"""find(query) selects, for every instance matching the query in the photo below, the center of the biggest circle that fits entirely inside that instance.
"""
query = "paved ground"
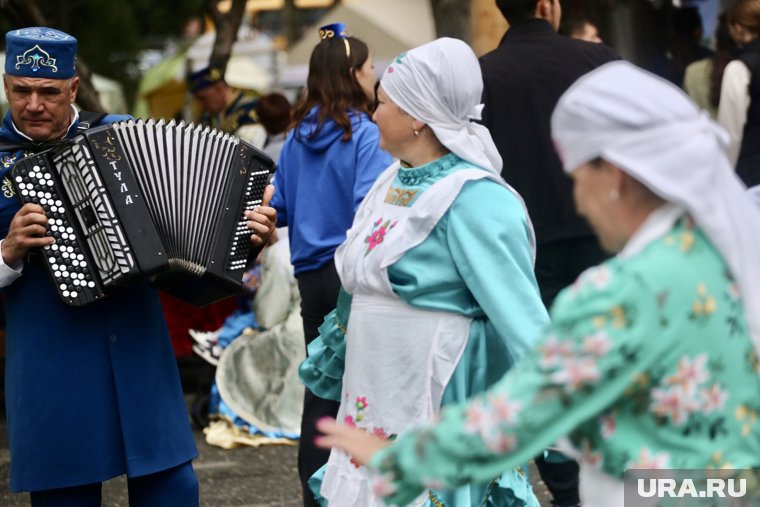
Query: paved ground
(245, 476)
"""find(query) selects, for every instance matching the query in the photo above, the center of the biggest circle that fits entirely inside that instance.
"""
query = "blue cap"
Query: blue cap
(204, 78)
(40, 52)
(333, 30)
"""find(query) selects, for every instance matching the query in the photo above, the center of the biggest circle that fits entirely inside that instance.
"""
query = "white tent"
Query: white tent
(388, 27)
(254, 63)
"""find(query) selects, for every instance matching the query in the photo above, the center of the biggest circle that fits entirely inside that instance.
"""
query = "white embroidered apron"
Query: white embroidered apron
(399, 358)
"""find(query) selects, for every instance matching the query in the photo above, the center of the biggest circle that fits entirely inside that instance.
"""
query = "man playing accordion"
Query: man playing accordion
(91, 392)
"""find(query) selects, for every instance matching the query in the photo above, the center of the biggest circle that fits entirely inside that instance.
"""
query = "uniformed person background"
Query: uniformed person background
(226, 108)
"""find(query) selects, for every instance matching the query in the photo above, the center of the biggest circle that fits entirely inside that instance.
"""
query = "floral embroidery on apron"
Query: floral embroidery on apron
(399, 358)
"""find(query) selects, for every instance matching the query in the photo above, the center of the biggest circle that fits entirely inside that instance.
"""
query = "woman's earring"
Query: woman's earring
(416, 133)
(614, 195)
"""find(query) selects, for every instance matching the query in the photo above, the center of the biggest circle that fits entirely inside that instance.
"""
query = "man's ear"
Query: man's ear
(74, 88)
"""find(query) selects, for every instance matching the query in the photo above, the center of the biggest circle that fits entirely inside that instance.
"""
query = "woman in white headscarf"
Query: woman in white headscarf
(651, 360)
(440, 296)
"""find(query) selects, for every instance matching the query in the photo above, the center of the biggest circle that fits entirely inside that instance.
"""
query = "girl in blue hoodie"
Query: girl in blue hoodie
(329, 161)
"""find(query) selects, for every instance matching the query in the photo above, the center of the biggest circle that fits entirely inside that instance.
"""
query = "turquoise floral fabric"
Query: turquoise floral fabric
(647, 364)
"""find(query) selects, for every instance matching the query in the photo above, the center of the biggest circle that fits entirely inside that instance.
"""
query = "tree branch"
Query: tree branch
(227, 26)
(452, 18)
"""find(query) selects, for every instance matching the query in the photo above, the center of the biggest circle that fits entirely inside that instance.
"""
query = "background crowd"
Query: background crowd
(517, 241)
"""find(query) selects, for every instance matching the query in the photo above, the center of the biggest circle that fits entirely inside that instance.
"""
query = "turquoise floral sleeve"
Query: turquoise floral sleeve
(602, 337)
(322, 370)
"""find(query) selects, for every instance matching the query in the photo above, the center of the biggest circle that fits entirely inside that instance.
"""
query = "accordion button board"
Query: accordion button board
(68, 264)
(146, 200)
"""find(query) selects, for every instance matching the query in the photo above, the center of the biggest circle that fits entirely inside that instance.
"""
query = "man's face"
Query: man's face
(212, 99)
(41, 108)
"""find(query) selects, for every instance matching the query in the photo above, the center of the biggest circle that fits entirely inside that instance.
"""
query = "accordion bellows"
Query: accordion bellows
(146, 199)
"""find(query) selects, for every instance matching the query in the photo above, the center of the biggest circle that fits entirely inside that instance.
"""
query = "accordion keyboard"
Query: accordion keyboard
(239, 249)
(67, 262)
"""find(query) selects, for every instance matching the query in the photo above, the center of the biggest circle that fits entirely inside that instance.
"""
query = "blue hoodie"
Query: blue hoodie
(320, 182)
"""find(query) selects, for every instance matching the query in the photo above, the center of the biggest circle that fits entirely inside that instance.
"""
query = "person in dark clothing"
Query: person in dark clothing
(524, 77)
(739, 108)
(523, 80)
(685, 43)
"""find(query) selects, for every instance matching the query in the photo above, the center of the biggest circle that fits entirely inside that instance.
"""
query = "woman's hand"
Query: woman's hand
(262, 220)
(361, 445)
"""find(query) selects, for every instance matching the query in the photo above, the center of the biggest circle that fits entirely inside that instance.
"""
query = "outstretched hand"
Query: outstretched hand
(361, 445)
(262, 220)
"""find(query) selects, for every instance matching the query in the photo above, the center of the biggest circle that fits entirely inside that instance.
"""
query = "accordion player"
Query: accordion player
(138, 200)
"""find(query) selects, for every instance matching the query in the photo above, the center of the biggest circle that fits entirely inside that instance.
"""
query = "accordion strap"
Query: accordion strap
(89, 118)
(86, 120)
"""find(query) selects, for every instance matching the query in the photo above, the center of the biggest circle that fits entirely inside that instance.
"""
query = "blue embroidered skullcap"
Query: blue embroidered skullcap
(40, 52)
(333, 30)
(204, 78)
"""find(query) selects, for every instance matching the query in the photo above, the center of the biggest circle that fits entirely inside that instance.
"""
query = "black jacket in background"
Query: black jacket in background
(523, 80)
(748, 164)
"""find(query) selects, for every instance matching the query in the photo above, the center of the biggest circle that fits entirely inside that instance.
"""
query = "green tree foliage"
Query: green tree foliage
(111, 33)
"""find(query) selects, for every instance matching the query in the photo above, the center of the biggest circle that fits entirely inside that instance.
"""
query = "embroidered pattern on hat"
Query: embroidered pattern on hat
(42, 34)
(35, 57)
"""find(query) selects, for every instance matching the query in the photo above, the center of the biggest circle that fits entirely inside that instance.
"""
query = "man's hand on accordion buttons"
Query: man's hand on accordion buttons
(262, 220)
(27, 230)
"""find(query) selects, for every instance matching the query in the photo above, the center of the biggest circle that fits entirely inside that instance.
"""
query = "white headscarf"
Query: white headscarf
(652, 130)
(440, 84)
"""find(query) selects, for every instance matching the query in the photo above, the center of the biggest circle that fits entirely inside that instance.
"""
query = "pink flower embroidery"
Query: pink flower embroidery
(608, 426)
(499, 443)
(349, 420)
(691, 373)
(600, 277)
(597, 344)
(648, 460)
(383, 486)
(380, 433)
(476, 417)
(504, 410)
(377, 236)
(553, 351)
(487, 421)
(714, 398)
(574, 373)
(675, 403)
(361, 402)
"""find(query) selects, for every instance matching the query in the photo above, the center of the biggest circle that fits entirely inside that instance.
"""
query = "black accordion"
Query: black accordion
(146, 199)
